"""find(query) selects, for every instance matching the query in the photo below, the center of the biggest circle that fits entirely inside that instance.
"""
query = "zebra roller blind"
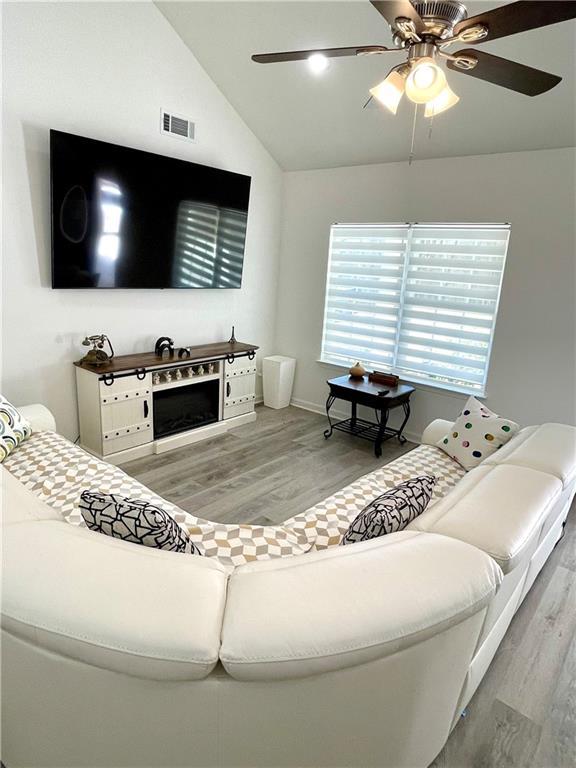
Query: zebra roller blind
(416, 299)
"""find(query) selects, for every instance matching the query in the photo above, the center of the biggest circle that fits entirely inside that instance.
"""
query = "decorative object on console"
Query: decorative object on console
(96, 355)
(476, 434)
(357, 371)
(232, 337)
(389, 379)
(14, 429)
(392, 511)
(164, 344)
(138, 522)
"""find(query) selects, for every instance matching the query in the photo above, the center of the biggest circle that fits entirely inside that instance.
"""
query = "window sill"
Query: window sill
(435, 389)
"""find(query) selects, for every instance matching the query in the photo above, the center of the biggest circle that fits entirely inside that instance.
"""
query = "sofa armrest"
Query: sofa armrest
(435, 431)
(40, 418)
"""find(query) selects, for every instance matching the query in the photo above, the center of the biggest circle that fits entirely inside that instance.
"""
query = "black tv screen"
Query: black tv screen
(124, 218)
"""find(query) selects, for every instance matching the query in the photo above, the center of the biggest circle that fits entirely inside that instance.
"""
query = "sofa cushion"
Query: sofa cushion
(392, 511)
(476, 434)
(135, 521)
(498, 509)
(14, 429)
(131, 609)
(548, 448)
(349, 605)
(19, 505)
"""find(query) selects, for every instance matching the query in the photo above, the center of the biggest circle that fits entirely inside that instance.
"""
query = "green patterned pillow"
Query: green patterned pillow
(476, 434)
(13, 428)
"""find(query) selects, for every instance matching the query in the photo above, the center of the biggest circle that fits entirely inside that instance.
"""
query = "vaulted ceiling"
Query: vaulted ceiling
(309, 121)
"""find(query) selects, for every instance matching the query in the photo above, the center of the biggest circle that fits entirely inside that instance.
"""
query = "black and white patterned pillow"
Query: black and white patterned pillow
(136, 521)
(392, 511)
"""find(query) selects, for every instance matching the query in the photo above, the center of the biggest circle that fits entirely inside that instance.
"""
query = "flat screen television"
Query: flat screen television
(124, 218)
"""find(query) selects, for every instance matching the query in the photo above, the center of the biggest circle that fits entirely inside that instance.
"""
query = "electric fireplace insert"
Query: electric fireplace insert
(180, 409)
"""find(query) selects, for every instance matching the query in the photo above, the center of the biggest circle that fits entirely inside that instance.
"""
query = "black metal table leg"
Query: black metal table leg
(354, 415)
(381, 432)
(406, 407)
(329, 402)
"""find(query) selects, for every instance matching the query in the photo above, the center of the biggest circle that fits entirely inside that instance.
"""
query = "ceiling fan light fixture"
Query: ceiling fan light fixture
(390, 91)
(318, 63)
(425, 81)
(445, 100)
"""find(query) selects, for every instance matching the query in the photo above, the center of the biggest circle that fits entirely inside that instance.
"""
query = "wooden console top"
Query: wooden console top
(151, 359)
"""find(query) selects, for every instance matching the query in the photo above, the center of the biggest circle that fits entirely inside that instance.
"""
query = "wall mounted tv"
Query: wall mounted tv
(123, 218)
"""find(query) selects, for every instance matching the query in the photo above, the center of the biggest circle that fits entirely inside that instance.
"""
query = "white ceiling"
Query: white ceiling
(309, 121)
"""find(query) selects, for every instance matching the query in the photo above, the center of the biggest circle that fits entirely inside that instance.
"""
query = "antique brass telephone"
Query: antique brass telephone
(97, 355)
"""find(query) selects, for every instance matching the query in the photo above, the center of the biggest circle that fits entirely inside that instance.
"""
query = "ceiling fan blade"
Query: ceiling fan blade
(395, 9)
(360, 50)
(518, 17)
(508, 74)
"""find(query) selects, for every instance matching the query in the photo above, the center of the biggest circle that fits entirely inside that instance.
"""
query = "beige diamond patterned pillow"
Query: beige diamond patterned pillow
(476, 434)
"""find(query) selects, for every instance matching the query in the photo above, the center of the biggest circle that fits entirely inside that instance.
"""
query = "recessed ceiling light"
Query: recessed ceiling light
(318, 63)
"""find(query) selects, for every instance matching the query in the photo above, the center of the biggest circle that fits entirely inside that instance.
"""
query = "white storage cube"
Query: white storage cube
(278, 378)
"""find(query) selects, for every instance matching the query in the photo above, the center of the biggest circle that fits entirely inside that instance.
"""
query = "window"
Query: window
(416, 299)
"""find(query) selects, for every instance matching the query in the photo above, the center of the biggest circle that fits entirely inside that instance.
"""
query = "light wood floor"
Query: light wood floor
(524, 712)
(263, 472)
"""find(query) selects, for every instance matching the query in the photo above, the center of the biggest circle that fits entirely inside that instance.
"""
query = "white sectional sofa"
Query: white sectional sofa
(119, 655)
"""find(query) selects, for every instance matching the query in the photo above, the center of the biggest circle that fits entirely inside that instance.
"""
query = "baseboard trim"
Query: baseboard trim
(307, 405)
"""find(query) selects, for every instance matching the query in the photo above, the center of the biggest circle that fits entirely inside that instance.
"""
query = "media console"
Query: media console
(137, 405)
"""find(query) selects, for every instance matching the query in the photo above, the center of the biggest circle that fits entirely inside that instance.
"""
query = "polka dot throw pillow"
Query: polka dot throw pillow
(476, 434)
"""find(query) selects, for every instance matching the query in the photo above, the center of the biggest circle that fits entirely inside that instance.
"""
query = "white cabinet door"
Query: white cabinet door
(126, 413)
(239, 387)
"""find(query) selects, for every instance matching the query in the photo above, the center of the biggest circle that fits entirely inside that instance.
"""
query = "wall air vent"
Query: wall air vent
(178, 126)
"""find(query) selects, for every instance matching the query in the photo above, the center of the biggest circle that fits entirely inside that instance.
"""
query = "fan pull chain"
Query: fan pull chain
(430, 126)
(411, 156)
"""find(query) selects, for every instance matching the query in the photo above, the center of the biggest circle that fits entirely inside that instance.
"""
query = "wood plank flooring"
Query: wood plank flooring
(264, 472)
(523, 714)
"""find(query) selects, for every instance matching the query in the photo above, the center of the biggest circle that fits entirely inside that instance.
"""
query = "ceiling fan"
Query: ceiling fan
(425, 30)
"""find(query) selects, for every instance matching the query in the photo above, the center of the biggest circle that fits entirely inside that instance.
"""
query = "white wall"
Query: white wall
(532, 372)
(105, 70)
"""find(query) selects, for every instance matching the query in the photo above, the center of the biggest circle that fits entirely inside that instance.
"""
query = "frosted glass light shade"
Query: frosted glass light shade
(390, 91)
(425, 81)
(446, 99)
